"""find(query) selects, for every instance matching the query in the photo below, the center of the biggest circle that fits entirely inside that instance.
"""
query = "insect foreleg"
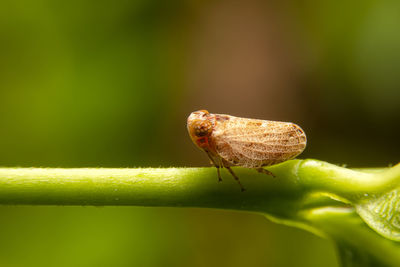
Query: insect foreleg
(218, 166)
(219, 174)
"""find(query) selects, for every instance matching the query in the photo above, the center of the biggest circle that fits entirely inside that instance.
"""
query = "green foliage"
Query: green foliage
(383, 214)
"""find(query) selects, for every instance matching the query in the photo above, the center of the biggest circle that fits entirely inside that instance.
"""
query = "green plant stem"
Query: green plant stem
(326, 199)
(194, 187)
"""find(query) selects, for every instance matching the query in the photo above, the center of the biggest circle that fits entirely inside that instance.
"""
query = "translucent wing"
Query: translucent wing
(254, 143)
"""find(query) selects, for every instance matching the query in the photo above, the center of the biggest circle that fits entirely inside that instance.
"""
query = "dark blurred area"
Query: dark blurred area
(110, 84)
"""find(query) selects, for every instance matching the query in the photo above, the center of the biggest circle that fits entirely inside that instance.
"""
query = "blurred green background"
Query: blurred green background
(111, 83)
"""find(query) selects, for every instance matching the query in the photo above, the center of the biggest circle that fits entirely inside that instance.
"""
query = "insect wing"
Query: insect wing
(254, 143)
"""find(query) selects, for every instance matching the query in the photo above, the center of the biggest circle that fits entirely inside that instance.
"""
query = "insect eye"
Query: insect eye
(202, 128)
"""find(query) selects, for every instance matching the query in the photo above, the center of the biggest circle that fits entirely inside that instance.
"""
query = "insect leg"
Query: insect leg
(236, 178)
(220, 165)
(265, 171)
(226, 165)
(216, 166)
(219, 174)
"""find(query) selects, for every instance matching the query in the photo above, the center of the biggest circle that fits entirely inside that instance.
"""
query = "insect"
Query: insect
(250, 143)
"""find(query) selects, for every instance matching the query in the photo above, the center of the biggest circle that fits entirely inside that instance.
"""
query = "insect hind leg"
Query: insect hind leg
(265, 171)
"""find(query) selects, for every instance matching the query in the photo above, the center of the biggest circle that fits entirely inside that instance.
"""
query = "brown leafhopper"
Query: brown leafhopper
(250, 143)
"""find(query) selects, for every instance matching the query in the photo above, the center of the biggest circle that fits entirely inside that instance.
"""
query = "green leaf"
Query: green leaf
(383, 214)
